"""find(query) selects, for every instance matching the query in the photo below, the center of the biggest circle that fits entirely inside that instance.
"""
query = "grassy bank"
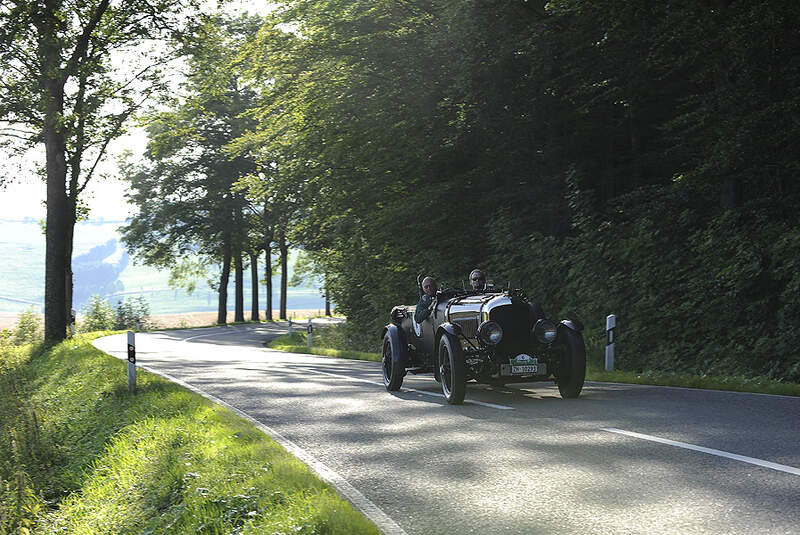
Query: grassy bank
(328, 342)
(297, 342)
(79, 454)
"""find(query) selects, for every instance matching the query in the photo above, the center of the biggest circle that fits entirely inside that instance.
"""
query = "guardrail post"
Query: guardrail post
(310, 330)
(131, 362)
(611, 324)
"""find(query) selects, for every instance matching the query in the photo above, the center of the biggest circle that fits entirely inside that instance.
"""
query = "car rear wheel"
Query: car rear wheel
(572, 369)
(452, 369)
(393, 371)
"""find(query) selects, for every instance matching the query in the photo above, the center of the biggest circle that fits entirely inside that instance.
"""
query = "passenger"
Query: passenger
(477, 279)
(426, 299)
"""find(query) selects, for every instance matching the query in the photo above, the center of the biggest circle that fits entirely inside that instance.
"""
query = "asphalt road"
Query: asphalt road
(620, 459)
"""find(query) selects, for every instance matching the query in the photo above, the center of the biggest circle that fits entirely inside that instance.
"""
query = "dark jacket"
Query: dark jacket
(423, 308)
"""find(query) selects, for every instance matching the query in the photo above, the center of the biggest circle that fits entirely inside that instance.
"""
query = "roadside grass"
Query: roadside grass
(297, 342)
(327, 342)
(93, 458)
(230, 323)
(759, 385)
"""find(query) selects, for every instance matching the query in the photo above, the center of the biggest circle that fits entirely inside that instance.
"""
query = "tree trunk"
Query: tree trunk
(268, 234)
(239, 276)
(284, 249)
(47, 19)
(327, 298)
(222, 309)
(268, 281)
(254, 315)
(57, 235)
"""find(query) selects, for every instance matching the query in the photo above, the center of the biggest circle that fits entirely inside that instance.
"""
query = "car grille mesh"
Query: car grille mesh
(469, 326)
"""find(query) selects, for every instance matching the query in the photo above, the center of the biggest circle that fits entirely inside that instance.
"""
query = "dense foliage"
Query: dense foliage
(609, 157)
(633, 158)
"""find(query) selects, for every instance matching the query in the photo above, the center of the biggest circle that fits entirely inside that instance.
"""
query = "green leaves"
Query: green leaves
(389, 139)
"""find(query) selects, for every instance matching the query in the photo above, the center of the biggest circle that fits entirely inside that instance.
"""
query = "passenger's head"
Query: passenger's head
(429, 285)
(477, 279)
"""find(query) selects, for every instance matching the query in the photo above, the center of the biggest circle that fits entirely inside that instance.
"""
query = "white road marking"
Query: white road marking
(236, 331)
(361, 502)
(719, 453)
(434, 394)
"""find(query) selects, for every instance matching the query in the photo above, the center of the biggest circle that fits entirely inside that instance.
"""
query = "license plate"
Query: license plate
(530, 368)
(526, 369)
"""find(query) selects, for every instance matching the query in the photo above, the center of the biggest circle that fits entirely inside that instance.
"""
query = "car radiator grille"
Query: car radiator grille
(515, 322)
(469, 327)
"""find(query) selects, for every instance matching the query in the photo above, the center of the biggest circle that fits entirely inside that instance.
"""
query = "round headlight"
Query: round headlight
(545, 331)
(490, 333)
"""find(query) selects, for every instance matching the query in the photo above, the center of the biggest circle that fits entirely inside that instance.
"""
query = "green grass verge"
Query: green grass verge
(296, 343)
(98, 459)
(758, 385)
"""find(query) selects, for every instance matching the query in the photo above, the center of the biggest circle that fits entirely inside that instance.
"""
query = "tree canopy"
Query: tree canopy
(608, 156)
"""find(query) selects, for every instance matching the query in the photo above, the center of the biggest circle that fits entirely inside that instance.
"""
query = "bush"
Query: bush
(132, 314)
(29, 328)
(98, 315)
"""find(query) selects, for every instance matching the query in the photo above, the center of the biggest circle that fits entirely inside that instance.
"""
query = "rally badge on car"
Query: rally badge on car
(523, 359)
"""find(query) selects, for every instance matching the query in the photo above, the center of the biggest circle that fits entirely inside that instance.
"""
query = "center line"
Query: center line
(434, 394)
(719, 453)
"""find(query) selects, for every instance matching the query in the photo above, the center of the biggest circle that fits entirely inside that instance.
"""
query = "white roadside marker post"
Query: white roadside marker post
(290, 325)
(611, 323)
(131, 362)
(310, 330)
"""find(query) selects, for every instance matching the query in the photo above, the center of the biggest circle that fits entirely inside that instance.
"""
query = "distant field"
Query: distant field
(22, 254)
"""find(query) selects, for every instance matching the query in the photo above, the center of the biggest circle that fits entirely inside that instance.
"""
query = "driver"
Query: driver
(477, 279)
(426, 299)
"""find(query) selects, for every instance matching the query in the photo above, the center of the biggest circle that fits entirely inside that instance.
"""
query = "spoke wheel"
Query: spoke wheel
(452, 369)
(392, 366)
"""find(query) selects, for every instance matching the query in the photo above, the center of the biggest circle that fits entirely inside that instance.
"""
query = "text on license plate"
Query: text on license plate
(529, 368)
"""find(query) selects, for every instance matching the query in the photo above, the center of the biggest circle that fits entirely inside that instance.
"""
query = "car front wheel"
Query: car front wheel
(393, 371)
(573, 366)
(452, 369)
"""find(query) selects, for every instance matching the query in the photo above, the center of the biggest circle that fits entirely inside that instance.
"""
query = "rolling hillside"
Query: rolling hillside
(102, 266)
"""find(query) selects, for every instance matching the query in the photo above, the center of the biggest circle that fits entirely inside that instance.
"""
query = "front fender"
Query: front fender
(574, 325)
(397, 341)
(449, 328)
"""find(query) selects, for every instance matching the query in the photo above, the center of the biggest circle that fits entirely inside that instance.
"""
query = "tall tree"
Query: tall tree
(185, 195)
(62, 89)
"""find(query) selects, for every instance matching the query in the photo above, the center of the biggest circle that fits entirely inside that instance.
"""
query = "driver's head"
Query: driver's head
(429, 285)
(477, 279)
